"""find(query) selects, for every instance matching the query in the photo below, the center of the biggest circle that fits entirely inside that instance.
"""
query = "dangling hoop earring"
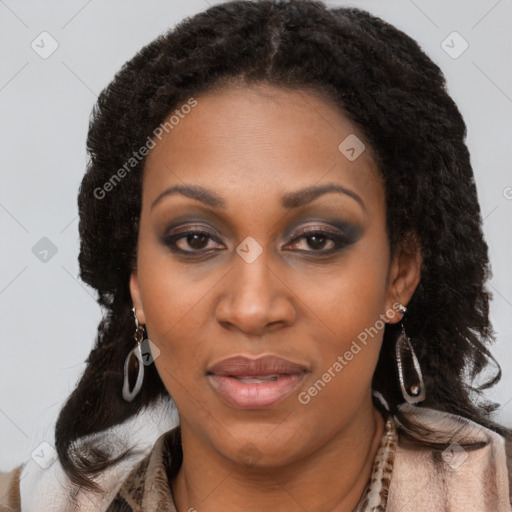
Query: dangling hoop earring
(137, 352)
(409, 371)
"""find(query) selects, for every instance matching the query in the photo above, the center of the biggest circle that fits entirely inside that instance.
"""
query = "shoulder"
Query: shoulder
(29, 488)
(50, 488)
(459, 464)
(147, 487)
(10, 490)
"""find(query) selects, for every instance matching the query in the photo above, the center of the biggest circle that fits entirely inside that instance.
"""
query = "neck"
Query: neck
(338, 472)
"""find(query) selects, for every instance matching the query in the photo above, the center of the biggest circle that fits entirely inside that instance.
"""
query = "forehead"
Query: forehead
(259, 140)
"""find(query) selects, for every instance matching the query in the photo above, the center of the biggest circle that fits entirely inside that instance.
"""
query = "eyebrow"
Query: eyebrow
(291, 200)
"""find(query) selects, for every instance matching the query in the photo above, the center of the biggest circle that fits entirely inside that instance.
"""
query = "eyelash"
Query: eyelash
(340, 241)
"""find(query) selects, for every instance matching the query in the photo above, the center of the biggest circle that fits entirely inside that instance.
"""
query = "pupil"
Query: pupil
(318, 241)
(196, 240)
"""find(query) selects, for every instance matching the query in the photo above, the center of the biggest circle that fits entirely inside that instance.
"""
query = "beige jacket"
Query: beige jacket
(423, 480)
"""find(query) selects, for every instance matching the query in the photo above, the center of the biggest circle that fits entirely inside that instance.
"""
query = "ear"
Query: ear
(404, 275)
(136, 297)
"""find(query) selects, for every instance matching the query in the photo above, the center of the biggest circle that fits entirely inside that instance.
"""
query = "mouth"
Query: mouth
(255, 383)
(255, 380)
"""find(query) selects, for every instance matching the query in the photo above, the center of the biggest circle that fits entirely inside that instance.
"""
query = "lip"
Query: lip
(225, 378)
(239, 366)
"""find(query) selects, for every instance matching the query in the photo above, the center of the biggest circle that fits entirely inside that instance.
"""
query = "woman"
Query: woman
(281, 221)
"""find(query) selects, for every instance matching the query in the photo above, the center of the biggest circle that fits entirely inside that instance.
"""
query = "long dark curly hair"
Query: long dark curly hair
(382, 81)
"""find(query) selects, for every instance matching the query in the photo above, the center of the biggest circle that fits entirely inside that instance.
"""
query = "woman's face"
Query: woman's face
(264, 165)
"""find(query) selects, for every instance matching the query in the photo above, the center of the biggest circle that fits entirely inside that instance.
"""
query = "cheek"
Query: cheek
(351, 305)
(351, 297)
(174, 300)
(347, 354)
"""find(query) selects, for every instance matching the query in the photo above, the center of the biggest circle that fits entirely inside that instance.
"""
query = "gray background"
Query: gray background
(49, 318)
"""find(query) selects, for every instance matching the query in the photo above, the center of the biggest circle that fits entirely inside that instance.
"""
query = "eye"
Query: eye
(191, 241)
(319, 240)
(197, 242)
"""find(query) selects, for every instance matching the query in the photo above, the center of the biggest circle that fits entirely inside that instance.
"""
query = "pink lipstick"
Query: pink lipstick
(256, 383)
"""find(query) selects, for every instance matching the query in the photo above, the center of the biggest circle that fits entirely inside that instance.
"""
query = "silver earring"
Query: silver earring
(137, 352)
(401, 308)
(409, 371)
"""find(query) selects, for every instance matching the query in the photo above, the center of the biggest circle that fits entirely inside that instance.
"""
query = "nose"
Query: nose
(255, 299)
